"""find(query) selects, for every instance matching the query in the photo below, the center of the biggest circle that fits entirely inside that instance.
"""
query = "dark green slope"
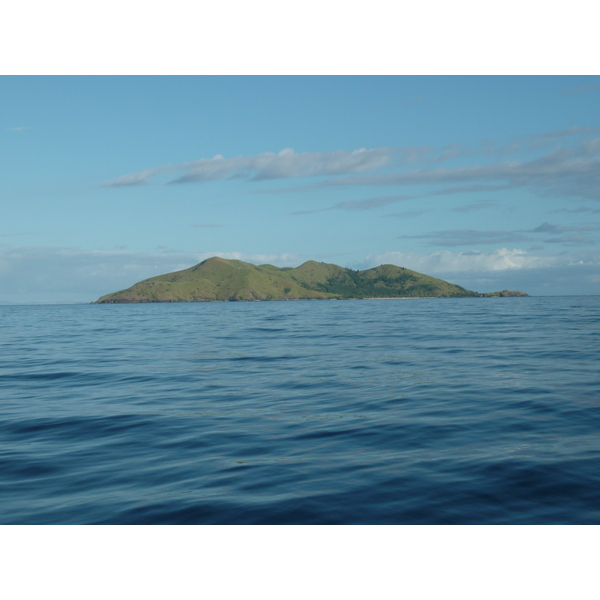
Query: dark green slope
(386, 281)
(220, 279)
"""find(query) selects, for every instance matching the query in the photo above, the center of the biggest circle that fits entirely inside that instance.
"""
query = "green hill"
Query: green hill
(220, 279)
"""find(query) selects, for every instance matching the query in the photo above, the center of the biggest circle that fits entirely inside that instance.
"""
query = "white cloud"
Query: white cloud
(582, 89)
(571, 170)
(469, 237)
(549, 228)
(365, 204)
(527, 143)
(138, 178)
(369, 203)
(280, 260)
(49, 275)
(473, 207)
(52, 275)
(268, 165)
(501, 259)
(581, 209)
(565, 171)
(503, 268)
(407, 214)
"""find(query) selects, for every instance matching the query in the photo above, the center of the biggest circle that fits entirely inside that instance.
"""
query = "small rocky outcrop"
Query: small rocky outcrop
(509, 293)
(504, 294)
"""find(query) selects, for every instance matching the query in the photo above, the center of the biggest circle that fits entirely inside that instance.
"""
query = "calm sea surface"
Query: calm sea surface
(360, 411)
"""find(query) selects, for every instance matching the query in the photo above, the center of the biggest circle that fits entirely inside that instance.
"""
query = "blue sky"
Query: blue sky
(490, 182)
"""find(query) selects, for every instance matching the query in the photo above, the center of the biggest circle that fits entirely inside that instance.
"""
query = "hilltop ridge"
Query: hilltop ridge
(220, 279)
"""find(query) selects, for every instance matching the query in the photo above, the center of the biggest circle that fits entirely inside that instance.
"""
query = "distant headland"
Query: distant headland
(219, 279)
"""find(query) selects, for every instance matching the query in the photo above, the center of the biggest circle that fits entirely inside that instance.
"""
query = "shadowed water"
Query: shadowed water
(360, 411)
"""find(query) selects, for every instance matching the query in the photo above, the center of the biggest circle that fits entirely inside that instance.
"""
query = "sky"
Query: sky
(490, 182)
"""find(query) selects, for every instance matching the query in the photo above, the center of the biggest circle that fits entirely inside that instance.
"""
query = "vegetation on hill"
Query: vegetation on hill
(220, 279)
(386, 281)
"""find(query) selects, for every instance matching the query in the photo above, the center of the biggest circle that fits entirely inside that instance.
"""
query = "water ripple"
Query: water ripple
(432, 411)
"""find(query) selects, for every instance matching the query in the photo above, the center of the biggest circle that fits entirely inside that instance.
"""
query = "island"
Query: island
(219, 279)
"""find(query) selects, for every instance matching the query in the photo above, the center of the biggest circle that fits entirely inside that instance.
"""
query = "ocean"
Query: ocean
(420, 411)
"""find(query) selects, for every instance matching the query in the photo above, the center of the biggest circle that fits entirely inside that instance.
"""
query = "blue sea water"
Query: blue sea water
(431, 411)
